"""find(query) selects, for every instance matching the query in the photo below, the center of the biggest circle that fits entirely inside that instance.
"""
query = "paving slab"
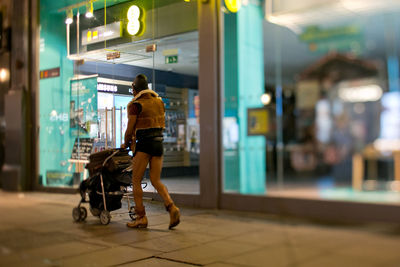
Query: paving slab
(108, 257)
(175, 241)
(156, 262)
(209, 252)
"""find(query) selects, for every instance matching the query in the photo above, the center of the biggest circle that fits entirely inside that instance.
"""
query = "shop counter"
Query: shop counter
(373, 155)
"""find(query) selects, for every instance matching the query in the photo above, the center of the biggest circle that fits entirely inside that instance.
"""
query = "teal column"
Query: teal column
(245, 168)
(54, 98)
(231, 81)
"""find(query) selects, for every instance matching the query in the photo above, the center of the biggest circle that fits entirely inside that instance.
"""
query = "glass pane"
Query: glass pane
(56, 72)
(175, 79)
(312, 101)
(83, 108)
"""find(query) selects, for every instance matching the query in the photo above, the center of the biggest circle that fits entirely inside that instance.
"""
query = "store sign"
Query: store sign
(83, 107)
(110, 88)
(151, 48)
(344, 38)
(233, 5)
(82, 148)
(171, 59)
(134, 26)
(257, 121)
(363, 93)
(55, 117)
(101, 33)
(50, 73)
(114, 88)
(315, 33)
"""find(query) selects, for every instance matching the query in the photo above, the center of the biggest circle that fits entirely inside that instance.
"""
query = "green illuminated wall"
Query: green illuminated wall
(54, 97)
(245, 167)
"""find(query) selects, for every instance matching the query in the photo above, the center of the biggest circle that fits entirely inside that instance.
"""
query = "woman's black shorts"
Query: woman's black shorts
(151, 147)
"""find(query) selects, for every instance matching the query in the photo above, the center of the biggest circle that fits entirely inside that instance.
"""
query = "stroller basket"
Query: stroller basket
(110, 174)
(111, 159)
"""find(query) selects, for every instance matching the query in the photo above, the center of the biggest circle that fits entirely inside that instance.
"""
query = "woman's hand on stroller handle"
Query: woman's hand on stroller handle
(123, 147)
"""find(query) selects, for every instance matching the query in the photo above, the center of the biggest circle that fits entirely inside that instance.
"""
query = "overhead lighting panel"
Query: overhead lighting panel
(89, 9)
(70, 17)
(296, 15)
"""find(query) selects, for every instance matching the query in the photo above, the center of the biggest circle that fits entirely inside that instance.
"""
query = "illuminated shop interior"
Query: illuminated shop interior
(326, 123)
(310, 92)
(90, 52)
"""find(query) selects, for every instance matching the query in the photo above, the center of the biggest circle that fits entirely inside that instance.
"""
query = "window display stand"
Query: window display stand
(79, 168)
(372, 154)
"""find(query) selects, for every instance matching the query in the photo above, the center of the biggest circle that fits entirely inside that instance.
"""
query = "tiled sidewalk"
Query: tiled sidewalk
(36, 229)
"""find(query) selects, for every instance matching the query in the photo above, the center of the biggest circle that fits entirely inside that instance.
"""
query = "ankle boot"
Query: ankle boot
(141, 219)
(174, 215)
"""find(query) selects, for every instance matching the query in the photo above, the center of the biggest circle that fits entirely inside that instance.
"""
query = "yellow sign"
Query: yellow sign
(89, 36)
(134, 26)
(257, 121)
(233, 5)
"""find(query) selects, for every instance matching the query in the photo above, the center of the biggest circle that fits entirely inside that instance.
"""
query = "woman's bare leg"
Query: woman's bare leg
(155, 173)
(140, 162)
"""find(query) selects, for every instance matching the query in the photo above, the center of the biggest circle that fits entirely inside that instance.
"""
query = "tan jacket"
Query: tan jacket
(152, 114)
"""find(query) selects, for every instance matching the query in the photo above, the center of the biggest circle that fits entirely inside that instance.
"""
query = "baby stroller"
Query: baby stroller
(110, 175)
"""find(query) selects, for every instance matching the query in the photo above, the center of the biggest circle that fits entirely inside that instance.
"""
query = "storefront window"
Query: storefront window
(312, 101)
(88, 60)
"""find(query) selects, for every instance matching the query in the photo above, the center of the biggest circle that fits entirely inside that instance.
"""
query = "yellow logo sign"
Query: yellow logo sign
(134, 24)
(233, 5)
(89, 36)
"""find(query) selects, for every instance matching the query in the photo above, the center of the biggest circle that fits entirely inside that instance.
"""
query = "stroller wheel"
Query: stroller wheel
(132, 213)
(105, 217)
(76, 214)
(83, 216)
(95, 212)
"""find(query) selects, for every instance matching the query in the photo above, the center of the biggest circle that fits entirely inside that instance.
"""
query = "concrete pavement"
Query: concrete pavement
(36, 229)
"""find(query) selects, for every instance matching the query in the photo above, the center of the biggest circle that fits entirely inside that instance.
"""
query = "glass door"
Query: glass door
(89, 55)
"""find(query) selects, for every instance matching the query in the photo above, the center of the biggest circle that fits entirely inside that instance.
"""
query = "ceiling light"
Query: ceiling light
(4, 74)
(266, 99)
(364, 93)
(70, 16)
(89, 9)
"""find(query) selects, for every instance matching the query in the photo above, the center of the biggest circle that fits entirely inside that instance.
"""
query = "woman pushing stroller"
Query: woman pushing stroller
(146, 121)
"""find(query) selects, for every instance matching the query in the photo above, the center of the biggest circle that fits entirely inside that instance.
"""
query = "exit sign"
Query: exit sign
(171, 59)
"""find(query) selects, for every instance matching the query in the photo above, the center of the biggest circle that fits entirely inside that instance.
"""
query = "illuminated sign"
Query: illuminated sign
(233, 5)
(171, 59)
(54, 116)
(101, 33)
(134, 15)
(363, 93)
(102, 87)
(257, 121)
(50, 73)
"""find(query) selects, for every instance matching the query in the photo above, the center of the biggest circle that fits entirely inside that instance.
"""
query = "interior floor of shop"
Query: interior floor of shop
(181, 185)
(191, 185)
(37, 229)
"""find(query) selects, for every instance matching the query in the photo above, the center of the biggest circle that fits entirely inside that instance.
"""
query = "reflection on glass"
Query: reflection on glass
(334, 82)
(97, 57)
